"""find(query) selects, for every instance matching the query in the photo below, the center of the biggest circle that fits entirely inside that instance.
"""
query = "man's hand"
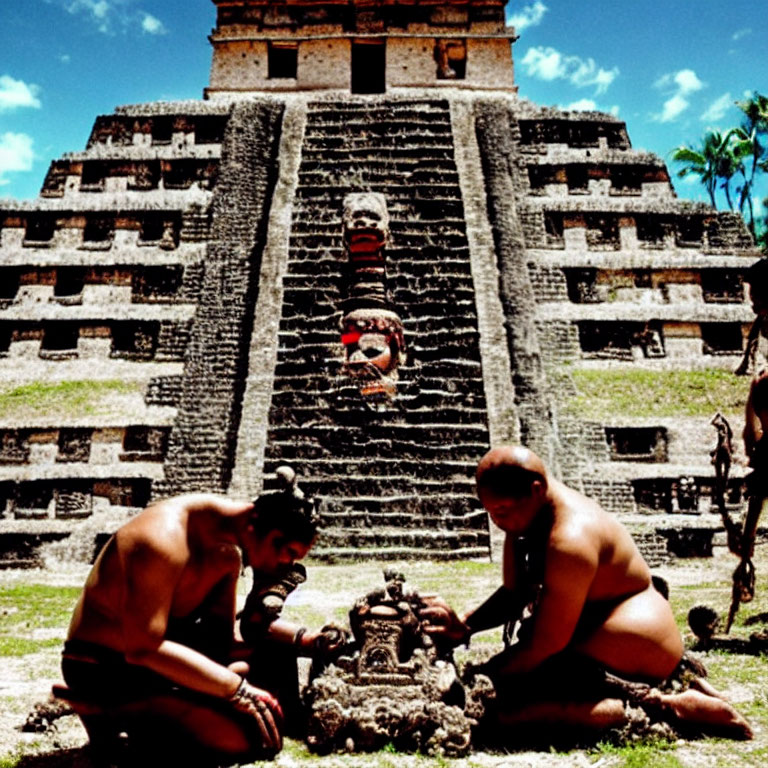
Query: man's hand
(441, 621)
(329, 642)
(264, 708)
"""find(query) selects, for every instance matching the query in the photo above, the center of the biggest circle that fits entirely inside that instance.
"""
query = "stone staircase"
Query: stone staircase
(394, 481)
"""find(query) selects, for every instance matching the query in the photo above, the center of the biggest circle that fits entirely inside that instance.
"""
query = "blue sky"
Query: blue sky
(670, 68)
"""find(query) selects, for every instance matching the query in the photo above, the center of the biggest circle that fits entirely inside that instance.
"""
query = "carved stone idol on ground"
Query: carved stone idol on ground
(371, 331)
(393, 685)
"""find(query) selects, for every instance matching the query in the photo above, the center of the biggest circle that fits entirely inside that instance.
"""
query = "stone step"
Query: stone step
(367, 106)
(436, 292)
(438, 434)
(415, 517)
(418, 203)
(351, 485)
(377, 112)
(436, 335)
(319, 383)
(437, 179)
(403, 145)
(430, 541)
(428, 228)
(331, 555)
(294, 450)
(383, 467)
(399, 155)
(418, 351)
(349, 416)
(426, 260)
(448, 369)
(298, 306)
(318, 322)
(444, 234)
(414, 398)
(414, 143)
(400, 131)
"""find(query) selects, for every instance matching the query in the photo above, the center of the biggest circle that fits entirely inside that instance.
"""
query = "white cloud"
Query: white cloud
(672, 109)
(741, 33)
(152, 25)
(717, 109)
(549, 64)
(110, 16)
(528, 16)
(15, 94)
(679, 85)
(98, 10)
(65, 58)
(16, 154)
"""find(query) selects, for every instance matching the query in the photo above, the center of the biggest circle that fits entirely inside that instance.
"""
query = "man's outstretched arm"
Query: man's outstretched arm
(442, 621)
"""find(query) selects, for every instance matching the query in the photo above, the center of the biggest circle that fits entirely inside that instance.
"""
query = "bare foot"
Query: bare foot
(712, 713)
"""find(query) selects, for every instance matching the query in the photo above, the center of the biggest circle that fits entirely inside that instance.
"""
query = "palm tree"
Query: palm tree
(749, 149)
(714, 161)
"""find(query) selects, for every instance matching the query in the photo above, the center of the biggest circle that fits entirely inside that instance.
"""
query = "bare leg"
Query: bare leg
(593, 715)
(175, 723)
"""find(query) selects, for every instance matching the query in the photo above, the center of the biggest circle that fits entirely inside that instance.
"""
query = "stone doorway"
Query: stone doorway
(369, 64)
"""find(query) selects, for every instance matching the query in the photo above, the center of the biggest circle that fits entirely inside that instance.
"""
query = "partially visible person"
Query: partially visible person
(153, 643)
(742, 541)
(592, 613)
(755, 360)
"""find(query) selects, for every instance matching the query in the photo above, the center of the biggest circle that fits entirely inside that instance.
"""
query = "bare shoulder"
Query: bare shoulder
(197, 502)
(160, 530)
(577, 526)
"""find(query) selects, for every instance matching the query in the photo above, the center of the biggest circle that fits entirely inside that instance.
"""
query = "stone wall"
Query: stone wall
(203, 441)
(496, 135)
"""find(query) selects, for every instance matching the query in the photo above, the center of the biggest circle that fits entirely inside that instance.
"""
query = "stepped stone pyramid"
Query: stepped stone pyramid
(170, 305)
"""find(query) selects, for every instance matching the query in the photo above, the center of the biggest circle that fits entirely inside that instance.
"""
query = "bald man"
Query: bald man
(574, 573)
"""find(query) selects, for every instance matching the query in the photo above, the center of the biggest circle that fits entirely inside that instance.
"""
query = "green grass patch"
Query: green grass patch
(70, 398)
(605, 394)
(11, 760)
(27, 607)
(654, 754)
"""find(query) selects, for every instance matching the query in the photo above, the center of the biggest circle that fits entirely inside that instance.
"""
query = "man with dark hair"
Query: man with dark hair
(152, 640)
(591, 611)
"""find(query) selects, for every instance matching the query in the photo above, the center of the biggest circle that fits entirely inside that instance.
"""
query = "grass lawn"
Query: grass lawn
(601, 394)
(42, 400)
(35, 607)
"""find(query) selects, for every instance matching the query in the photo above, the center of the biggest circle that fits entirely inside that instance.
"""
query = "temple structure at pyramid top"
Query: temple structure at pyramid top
(360, 45)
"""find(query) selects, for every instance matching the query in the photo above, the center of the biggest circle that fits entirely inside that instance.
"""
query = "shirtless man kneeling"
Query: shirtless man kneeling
(153, 634)
(594, 606)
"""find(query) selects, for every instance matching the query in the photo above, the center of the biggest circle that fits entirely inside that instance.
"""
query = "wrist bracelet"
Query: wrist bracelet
(238, 694)
(299, 636)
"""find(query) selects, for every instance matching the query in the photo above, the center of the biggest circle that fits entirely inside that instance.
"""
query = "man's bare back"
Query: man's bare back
(174, 561)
